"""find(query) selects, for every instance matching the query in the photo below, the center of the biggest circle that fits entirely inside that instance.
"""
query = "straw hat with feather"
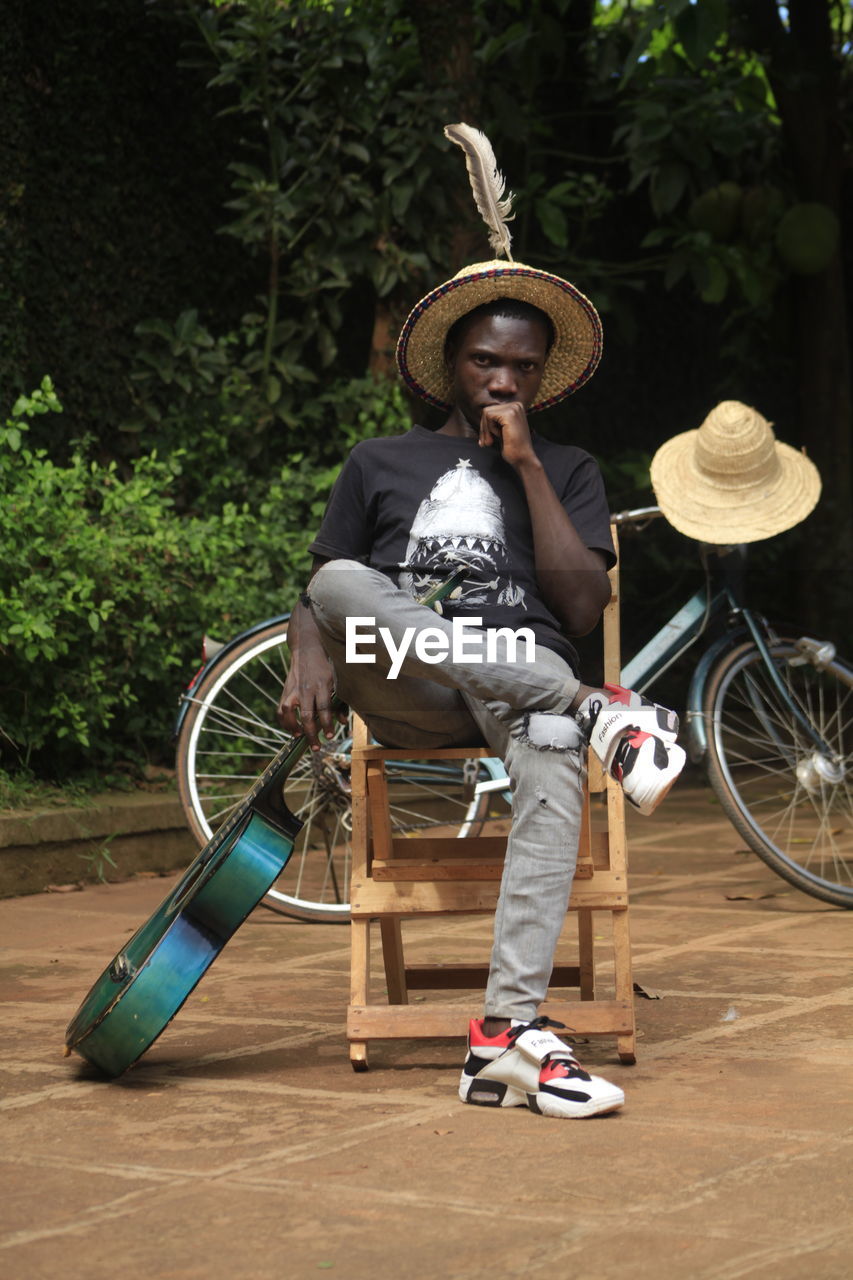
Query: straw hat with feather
(576, 350)
(732, 480)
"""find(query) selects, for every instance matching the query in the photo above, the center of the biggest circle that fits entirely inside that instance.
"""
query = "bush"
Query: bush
(105, 591)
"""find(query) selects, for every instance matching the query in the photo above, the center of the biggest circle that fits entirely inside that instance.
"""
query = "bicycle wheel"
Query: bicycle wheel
(230, 734)
(791, 804)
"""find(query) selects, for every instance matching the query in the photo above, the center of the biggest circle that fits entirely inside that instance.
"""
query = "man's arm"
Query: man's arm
(306, 700)
(572, 577)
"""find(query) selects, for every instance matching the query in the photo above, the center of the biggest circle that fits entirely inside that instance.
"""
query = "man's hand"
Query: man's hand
(506, 426)
(571, 577)
(308, 698)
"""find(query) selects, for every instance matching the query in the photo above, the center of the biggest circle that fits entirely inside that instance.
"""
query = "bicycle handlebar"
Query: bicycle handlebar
(637, 516)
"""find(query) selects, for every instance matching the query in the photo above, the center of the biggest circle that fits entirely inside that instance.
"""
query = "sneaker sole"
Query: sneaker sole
(544, 1104)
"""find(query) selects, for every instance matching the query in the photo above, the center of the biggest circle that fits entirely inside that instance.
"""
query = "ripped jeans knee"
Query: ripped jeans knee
(551, 731)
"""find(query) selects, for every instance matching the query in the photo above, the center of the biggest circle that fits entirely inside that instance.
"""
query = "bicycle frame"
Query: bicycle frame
(685, 627)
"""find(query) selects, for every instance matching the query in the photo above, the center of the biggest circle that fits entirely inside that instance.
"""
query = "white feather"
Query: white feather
(487, 184)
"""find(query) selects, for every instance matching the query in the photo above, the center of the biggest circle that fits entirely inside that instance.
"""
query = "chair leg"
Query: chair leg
(358, 1055)
(626, 1045)
(392, 955)
(586, 949)
(359, 983)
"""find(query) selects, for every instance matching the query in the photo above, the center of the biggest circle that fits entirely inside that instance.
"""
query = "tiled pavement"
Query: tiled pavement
(244, 1146)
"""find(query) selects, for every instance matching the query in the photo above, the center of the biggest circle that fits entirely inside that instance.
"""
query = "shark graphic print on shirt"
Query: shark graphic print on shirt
(461, 523)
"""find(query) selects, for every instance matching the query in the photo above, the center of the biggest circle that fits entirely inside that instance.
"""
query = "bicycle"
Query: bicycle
(767, 717)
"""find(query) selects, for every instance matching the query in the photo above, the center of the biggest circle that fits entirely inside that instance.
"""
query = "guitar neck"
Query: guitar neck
(264, 796)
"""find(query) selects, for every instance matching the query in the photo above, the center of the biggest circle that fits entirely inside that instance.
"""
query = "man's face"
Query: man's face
(498, 360)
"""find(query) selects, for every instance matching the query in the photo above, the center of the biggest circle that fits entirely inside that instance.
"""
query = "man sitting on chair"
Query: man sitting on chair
(529, 522)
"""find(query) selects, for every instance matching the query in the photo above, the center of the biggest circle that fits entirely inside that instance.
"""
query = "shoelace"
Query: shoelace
(566, 1059)
(536, 1024)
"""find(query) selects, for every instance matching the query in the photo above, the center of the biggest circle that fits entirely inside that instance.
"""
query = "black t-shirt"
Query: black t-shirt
(418, 506)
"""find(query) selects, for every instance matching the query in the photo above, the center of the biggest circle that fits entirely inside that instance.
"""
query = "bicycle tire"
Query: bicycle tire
(230, 733)
(760, 764)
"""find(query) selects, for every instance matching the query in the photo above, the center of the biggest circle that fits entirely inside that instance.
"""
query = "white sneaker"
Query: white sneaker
(536, 1068)
(635, 741)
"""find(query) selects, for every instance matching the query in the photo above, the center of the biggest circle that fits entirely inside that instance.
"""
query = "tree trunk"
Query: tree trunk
(804, 73)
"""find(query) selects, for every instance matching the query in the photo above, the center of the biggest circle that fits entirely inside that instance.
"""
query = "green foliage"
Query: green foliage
(701, 134)
(105, 590)
(331, 186)
(193, 396)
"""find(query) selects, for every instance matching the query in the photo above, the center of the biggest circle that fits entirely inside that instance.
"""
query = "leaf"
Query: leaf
(186, 325)
(717, 281)
(654, 130)
(160, 327)
(699, 27)
(646, 993)
(757, 896)
(401, 196)
(554, 223)
(668, 186)
(661, 14)
(675, 269)
(357, 151)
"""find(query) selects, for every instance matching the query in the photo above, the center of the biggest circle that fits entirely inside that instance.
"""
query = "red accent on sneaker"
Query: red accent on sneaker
(619, 695)
(553, 1071)
(476, 1036)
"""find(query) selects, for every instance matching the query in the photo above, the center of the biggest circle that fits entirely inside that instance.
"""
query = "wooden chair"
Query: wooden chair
(398, 878)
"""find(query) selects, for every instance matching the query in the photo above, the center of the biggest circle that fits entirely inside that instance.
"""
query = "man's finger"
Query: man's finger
(309, 728)
(287, 716)
(326, 720)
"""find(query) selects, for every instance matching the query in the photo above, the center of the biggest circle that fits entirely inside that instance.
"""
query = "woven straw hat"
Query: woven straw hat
(732, 480)
(571, 361)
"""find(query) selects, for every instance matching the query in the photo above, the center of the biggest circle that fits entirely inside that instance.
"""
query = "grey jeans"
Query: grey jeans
(518, 709)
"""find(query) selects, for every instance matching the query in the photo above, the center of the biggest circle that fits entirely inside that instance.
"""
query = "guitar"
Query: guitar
(143, 988)
(146, 984)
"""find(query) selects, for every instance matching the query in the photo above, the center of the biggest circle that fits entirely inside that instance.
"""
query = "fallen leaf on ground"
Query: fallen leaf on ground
(754, 897)
(646, 992)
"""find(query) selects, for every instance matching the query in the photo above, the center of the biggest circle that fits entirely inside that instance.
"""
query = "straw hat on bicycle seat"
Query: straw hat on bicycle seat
(732, 480)
(576, 350)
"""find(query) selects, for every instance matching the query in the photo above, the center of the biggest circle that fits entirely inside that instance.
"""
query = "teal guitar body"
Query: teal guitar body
(137, 996)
